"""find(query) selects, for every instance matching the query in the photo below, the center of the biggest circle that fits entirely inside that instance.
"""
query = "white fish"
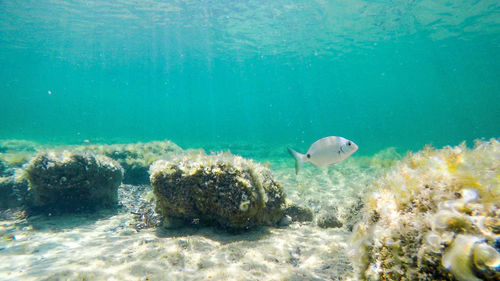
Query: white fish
(323, 152)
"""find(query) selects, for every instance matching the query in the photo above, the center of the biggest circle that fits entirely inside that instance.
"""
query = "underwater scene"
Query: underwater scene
(250, 140)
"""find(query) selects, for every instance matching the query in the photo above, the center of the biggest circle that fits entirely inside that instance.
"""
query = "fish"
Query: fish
(323, 152)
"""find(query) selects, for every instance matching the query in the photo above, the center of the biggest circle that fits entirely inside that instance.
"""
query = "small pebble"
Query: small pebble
(285, 221)
(127, 232)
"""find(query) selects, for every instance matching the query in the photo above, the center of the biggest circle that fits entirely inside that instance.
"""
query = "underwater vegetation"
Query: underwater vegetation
(221, 189)
(13, 190)
(14, 153)
(16, 159)
(67, 180)
(383, 159)
(225, 189)
(18, 145)
(13, 185)
(435, 216)
(135, 158)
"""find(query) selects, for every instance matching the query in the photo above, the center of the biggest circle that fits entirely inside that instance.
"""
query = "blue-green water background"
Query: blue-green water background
(282, 72)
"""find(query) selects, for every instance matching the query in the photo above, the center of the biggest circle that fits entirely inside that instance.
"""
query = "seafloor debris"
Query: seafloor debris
(139, 201)
(435, 216)
(64, 180)
(221, 189)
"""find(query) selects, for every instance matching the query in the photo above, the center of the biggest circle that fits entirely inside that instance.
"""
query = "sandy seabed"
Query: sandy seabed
(106, 245)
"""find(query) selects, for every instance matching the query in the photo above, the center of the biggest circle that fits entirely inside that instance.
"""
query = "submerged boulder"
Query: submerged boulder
(435, 216)
(13, 191)
(135, 158)
(299, 213)
(328, 220)
(221, 189)
(64, 180)
(2, 168)
(15, 153)
(18, 145)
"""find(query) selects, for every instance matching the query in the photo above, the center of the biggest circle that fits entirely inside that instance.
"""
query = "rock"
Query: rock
(328, 220)
(15, 159)
(18, 145)
(15, 153)
(69, 181)
(135, 158)
(299, 213)
(434, 216)
(353, 214)
(221, 189)
(285, 220)
(13, 191)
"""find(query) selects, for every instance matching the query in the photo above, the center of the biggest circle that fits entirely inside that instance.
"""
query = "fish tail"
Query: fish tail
(299, 159)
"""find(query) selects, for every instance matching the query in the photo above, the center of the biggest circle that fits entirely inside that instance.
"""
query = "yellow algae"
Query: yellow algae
(16, 158)
(420, 213)
(150, 196)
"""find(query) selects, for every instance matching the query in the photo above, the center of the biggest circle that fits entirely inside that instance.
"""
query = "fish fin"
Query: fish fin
(299, 159)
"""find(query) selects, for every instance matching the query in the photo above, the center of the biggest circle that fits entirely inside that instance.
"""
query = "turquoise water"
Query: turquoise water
(217, 73)
(252, 77)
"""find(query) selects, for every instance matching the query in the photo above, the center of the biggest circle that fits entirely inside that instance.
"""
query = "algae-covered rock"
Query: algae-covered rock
(352, 214)
(435, 216)
(13, 191)
(135, 158)
(223, 189)
(16, 159)
(299, 213)
(18, 145)
(328, 220)
(15, 153)
(65, 180)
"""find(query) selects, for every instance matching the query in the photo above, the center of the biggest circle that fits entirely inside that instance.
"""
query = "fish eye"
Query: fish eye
(349, 143)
